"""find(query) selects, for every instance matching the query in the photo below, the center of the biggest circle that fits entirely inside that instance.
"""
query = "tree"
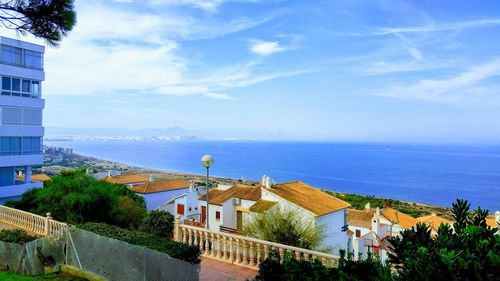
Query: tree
(469, 251)
(287, 227)
(50, 20)
(75, 197)
(158, 222)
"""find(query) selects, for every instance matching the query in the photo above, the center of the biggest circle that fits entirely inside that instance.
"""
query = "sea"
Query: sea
(432, 174)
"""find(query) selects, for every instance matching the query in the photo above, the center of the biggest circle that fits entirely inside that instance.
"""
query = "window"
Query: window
(6, 83)
(217, 215)
(16, 84)
(26, 86)
(32, 116)
(20, 145)
(20, 87)
(12, 115)
(21, 57)
(358, 233)
(180, 209)
(35, 89)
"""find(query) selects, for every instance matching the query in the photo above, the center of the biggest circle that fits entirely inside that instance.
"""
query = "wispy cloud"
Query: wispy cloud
(463, 87)
(438, 27)
(266, 48)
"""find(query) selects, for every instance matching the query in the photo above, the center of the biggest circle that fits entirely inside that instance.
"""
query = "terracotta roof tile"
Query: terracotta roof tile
(161, 185)
(35, 177)
(397, 217)
(308, 197)
(246, 192)
(491, 222)
(126, 179)
(434, 221)
(360, 218)
(213, 192)
(262, 205)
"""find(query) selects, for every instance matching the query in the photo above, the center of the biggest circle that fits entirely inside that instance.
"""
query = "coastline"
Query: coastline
(78, 161)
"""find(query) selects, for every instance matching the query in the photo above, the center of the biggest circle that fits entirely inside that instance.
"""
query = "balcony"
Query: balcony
(18, 188)
(21, 160)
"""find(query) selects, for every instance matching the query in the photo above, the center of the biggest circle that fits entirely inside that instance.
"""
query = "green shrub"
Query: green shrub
(16, 236)
(172, 248)
(75, 197)
(159, 223)
(285, 226)
(271, 269)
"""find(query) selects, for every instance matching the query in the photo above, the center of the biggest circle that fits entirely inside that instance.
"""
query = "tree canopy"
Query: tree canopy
(50, 20)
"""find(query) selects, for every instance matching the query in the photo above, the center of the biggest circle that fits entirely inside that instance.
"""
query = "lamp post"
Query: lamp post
(207, 161)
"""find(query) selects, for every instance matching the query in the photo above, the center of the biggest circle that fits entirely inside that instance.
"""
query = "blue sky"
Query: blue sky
(425, 71)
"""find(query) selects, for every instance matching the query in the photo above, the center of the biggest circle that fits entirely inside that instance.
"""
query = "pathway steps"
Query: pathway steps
(213, 270)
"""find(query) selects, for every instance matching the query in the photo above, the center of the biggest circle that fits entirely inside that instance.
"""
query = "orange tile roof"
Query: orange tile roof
(35, 177)
(395, 216)
(262, 205)
(126, 179)
(312, 199)
(161, 185)
(360, 218)
(213, 193)
(246, 192)
(491, 222)
(434, 221)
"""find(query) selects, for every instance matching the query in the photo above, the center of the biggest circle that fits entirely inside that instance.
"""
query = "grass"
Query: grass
(358, 202)
(8, 276)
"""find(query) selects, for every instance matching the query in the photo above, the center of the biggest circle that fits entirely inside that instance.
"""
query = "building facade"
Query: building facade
(21, 106)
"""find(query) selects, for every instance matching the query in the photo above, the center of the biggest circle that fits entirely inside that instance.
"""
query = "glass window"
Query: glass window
(7, 54)
(37, 60)
(32, 116)
(18, 56)
(26, 86)
(27, 146)
(36, 145)
(35, 88)
(16, 84)
(5, 146)
(15, 145)
(12, 115)
(6, 83)
(28, 58)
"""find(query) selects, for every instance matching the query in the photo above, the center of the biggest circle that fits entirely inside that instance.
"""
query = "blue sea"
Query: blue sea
(433, 174)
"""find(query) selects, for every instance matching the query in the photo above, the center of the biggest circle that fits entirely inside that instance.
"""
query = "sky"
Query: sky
(419, 71)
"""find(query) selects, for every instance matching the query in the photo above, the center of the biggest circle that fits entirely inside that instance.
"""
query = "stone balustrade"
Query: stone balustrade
(241, 250)
(34, 224)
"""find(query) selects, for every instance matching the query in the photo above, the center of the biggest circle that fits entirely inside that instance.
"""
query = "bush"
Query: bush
(75, 197)
(285, 226)
(470, 251)
(16, 236)
(348, 270)
(172, 248)
(160, 223)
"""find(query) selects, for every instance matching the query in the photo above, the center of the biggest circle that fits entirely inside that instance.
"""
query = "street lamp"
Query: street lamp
(207, 161)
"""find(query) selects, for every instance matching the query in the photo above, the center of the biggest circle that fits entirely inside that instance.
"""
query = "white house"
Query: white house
(155, 193)
(434, 222)
(21, 106)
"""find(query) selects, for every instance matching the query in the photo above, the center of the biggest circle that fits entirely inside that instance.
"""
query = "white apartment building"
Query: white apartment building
(21, 106)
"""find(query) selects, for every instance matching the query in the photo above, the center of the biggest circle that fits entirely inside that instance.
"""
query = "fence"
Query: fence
(241, 250)
(35, 224)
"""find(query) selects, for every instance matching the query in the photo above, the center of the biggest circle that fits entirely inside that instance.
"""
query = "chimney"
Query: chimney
(150, 178)
(268, 182)
(367, 206)
(433, 214)
(497, 219)
(109, 173)
(20, 173)
(191, 187)
(264, 180)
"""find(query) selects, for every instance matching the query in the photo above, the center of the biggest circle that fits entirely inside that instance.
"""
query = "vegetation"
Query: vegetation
(470, 252)
(75, 197)
(285, 226)
(47, 19)
(172, 248)
(292, 269)
(160, 223)
(15, 236)
(359, 201)
(8, 276)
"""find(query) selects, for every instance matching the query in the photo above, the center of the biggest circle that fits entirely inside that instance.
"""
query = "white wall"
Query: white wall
(213, 223)
(229, 211)
(154, 200)
(334, 236)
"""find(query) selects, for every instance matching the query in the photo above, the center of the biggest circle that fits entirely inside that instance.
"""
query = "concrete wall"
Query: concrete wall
(334, 237)
(213, 223)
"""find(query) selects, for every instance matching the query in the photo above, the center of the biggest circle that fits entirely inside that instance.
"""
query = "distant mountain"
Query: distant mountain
(114, 132)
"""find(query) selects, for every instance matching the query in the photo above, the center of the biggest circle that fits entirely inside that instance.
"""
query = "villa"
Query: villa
(434, 222)
(35, 177)
(21, 106)
(157, 192)
(232, 207)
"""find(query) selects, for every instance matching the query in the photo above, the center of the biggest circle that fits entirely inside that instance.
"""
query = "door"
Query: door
(203, 214)
(239, 220)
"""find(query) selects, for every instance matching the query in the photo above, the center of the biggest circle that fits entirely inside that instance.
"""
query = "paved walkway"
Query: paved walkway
(213, 270)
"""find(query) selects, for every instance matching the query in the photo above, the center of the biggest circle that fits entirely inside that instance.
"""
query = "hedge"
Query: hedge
(172, 248)
(15, 236)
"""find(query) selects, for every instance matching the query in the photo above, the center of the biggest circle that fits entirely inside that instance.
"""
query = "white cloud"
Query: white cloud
(219, 96)
(266, 48)
(465, 86)
(439, 27)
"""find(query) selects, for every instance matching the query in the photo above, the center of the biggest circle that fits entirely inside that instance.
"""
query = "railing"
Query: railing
(230, 230)
(241, 250)
(35, 224)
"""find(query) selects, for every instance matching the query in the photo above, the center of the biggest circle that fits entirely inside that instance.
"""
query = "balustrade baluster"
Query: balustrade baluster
(207, 243)
(195, 237)
(214, 242)
(323, 261)
(259, 256)
(220, 249)
(245, 253)
(225, 257)
(238, 251)
(231, 248)
(252, 261)
(266, 251)
(282, 254)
